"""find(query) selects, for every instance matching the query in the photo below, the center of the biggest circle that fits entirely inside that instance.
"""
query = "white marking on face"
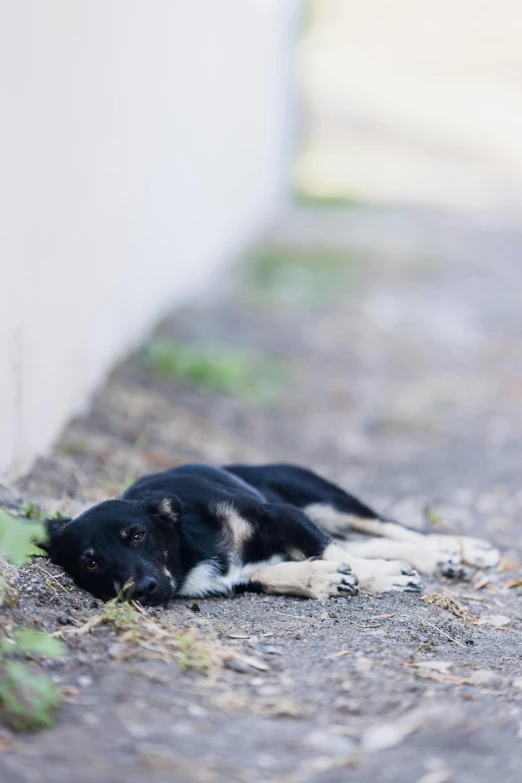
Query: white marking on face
(171, 579)
(167, 508)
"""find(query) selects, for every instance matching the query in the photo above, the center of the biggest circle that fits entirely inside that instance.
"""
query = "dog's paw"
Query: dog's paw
(472, 551)
(434, 556)
(327, 578)
(384, 576)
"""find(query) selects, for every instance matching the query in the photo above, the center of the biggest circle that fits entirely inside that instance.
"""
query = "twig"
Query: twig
(51, 576)
(338, 654)
(285, 614)
(423, 620)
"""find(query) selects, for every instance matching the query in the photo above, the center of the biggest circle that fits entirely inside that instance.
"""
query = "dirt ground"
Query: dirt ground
(401, 379)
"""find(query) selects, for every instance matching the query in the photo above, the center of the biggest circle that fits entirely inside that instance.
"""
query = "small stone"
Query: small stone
(268, 690)
(484, 677)
(238, 666)
(517, 683)
(497, 620)
(268, 649)
(330, 743)
(256, 681)
(137, 730)
(84, 681)
(197, 711)
(114, 650)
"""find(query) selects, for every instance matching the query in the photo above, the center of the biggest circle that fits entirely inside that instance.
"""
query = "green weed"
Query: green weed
(297, 276)
(327, 202)
(193, 653)
(28, 700)
(216, 368)
(17, 539)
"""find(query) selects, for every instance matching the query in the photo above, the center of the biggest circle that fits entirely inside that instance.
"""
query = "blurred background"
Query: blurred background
(413, 102)
(369, 151)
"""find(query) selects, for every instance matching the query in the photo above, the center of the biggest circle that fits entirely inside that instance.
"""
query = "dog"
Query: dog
(197, 531)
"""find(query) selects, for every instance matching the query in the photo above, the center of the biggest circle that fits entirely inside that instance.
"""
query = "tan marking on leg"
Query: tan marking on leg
(310, 579)
(296, 554)
(238, 528)
(339, 524)
(424, 555)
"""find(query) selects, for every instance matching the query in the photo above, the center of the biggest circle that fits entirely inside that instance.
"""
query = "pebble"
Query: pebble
(114, 650)
(271, 650)
(269, 690)
(85, 681)
(484, 677)
(497, 620)
(238, 666)
(330, 743)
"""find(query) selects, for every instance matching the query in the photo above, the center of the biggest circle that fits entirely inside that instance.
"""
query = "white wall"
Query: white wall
(142, 143)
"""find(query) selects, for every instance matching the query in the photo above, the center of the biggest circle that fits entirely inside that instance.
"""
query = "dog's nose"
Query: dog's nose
(145, 588)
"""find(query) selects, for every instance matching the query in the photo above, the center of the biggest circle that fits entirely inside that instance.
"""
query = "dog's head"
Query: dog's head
(121, 547)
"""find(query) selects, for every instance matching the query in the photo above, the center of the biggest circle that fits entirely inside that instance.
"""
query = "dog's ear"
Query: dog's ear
(54, 528)
(168, 509)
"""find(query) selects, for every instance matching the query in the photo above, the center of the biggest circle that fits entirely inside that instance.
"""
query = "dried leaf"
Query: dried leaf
(437, 666)
(255, 663)
(509, 563)
(480, 582)
(449, 678)
(238, 635)
(338, 654)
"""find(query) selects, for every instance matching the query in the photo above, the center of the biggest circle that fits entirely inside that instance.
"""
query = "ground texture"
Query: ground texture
(401, 379)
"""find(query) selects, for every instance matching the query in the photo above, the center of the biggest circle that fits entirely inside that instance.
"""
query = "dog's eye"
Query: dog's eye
(137, 537)
(91, 565)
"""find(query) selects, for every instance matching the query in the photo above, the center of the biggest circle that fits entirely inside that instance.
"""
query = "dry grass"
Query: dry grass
(446, 601)
(140, 636)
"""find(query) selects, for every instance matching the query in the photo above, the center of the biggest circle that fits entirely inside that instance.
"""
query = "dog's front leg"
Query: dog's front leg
(309, 578)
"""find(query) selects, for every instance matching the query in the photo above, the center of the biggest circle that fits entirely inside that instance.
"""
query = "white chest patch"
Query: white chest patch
(205, 578)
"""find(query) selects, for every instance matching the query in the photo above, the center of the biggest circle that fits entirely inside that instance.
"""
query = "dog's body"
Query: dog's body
(198, 531)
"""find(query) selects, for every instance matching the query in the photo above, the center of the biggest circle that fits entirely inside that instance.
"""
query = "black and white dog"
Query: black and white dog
(198, 531)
